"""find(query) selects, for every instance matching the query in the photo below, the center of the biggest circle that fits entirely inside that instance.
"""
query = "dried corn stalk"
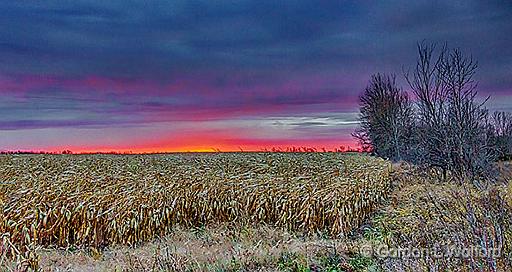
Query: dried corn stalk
(97, 200)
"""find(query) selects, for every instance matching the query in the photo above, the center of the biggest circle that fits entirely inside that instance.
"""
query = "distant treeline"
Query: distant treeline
(292, 149)
(443, 125)
(64, 152)
(28, 152)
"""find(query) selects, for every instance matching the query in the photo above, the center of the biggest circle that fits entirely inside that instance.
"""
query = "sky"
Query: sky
(154, 76)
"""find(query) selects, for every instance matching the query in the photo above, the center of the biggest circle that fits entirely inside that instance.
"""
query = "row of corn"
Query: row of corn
(98, 200)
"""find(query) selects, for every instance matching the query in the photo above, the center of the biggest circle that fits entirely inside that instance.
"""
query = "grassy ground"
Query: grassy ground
(215, 248)
(425, 213)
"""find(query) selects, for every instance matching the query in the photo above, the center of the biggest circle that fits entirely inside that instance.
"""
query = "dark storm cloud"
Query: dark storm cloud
(132, 38)
(164, 60)
(158, 39)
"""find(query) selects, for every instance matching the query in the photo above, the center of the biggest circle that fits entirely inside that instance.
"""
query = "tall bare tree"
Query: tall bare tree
(431, 99)
(386, 118)
(452, 124)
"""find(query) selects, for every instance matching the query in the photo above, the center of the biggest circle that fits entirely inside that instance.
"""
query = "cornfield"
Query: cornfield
(98, 200)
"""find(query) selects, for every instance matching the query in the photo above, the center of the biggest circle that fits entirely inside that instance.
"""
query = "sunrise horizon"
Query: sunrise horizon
(189, 149)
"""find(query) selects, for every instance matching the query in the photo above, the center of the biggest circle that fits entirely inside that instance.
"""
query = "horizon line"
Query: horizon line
(340, 149)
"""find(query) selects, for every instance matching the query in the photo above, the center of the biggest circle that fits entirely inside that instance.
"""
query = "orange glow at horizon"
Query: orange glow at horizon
(203, 147)
(198, 149)
(195, 137)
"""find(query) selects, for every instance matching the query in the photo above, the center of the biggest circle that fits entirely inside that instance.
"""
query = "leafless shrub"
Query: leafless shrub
(501, 130)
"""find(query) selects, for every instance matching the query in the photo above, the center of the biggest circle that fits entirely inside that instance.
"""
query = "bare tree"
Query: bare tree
(452, 125)
(501, 131)
(431, 105)
(446, 128)
(386, 118)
